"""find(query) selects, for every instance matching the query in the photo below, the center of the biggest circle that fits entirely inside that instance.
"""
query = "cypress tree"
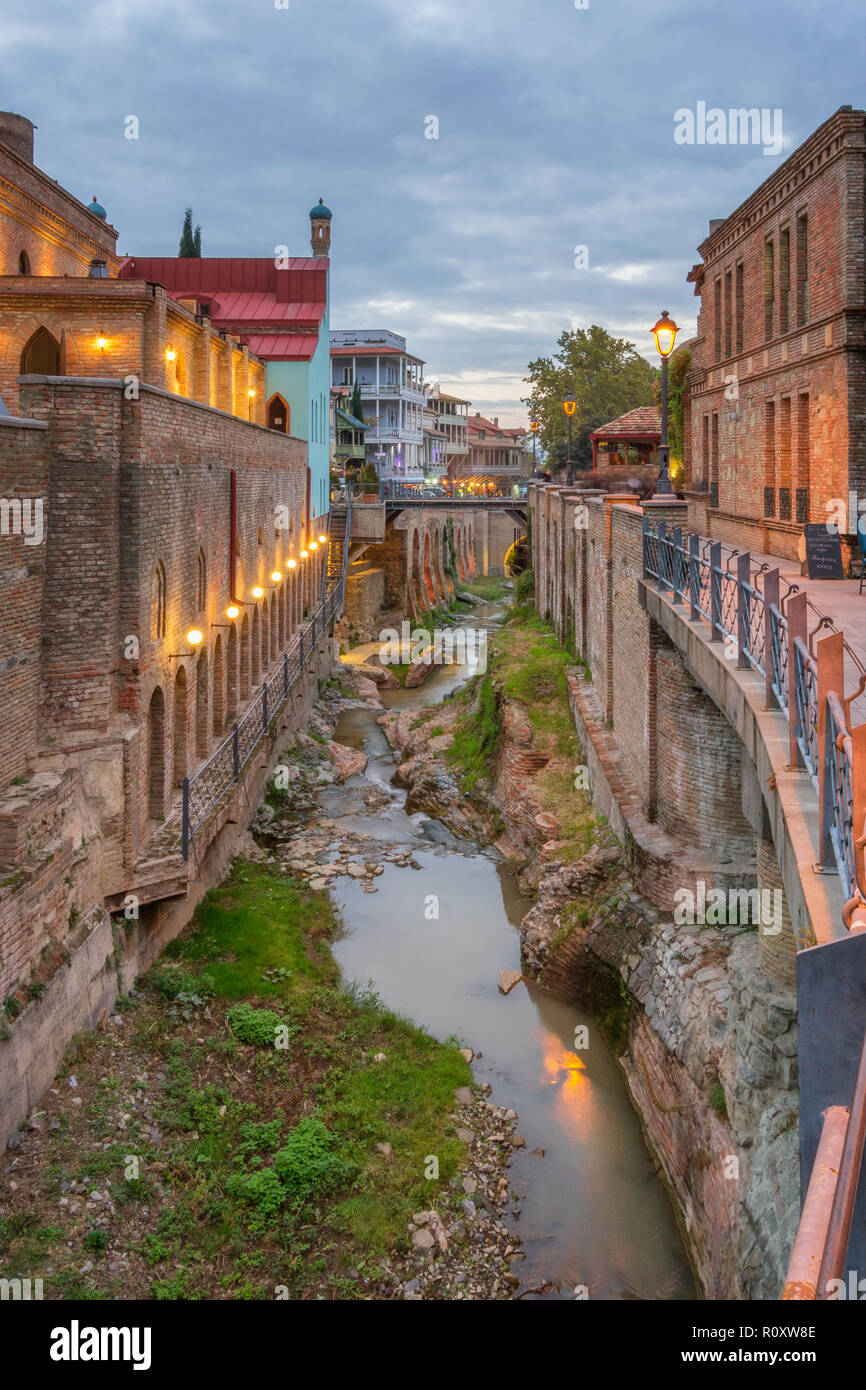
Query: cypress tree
(190, 240)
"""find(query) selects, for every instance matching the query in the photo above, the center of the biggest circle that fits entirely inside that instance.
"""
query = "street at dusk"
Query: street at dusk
(433, 669)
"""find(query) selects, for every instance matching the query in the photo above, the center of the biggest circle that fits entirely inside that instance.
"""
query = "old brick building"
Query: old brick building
(155, 565)
(776, 422)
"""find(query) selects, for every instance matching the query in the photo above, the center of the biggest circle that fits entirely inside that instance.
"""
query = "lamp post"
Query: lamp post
(533, 425)
(665, 333)
(569, 405)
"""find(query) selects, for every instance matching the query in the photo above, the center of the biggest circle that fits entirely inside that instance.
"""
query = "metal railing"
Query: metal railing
(803, 678)
(208, 788)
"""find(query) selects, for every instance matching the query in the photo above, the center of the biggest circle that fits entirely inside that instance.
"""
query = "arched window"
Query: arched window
(219, 684)
(180, 727)
(23, 263)
(201, 587)
(156, 756)
(279, 415)
(159, 595)
(41, 356)
(202, 716)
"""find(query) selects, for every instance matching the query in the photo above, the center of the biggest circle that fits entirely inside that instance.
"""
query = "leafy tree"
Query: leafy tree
(190, 240)
(678, 370)
(357, 408)
(606, 375)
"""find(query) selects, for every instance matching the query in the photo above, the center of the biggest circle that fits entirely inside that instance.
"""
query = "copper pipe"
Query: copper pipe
(845, 1196)
(805, 1263)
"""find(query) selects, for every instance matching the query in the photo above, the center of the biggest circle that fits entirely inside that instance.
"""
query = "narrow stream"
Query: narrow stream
(593, 1211)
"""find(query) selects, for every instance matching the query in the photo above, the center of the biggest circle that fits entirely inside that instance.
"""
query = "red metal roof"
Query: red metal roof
(372, 350)
(642, 423)
(244, 293)
(284, 347)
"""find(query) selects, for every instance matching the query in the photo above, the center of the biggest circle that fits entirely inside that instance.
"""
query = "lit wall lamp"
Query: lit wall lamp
(276, 576)
(258, 592)
(323, 540)
(194, 637)
(304, 555)
(291, 564)
(252, 392)
(313, 545)
(232, 612)
(102, 342)
(170, 354)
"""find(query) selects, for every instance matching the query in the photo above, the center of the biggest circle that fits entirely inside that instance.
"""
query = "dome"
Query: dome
(96, 208)
(321, 211)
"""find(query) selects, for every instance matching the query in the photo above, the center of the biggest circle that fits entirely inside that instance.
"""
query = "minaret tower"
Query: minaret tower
(320, 229)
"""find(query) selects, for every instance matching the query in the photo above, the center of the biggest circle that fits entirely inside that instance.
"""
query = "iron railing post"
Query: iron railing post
(285, 674)
(694, 576)
(716, 632)
(185, 820)
(645, 526)
(771, 601)
(675, 563)
(744, 633)
(830, 660)
(796, 615)
(265, 708)
(236, 750)
(661, 532)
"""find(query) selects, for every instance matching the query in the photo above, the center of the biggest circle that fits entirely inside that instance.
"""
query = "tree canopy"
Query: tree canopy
(606, 375)
(190, 240)
(356, 407)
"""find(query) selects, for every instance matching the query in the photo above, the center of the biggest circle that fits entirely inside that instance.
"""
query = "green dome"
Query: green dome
(96, 208)
(321, 211)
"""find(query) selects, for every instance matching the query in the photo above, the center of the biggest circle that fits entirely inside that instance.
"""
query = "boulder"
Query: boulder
(348, 762)
(508, 979)
(381, 677)
(417, 674)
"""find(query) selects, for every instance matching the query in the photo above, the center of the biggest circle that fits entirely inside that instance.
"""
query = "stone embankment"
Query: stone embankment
(707, 1042)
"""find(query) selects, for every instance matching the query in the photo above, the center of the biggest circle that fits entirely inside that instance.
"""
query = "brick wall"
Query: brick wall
(38, 217)
(23, 492)
(777, 398)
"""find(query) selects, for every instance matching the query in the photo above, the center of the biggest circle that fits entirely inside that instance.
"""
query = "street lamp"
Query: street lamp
(664, 333)
(569, 405)
(533, 425)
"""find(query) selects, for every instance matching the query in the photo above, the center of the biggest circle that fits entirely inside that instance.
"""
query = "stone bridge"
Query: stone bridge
(714, 730)
(412, 555)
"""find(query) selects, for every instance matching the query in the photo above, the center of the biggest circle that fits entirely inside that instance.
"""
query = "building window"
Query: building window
(729, 339)
(785, 460)
(201, 577)
(714, 464)
(739, 309)
(769, 288)
(784, 279)
(159, 596)
(803, 458)
(717, 322)
(770, 458)
(705, 451)
(802, 269)
(23, 263)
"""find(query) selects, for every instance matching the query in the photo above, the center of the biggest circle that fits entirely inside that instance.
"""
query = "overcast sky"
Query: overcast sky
(555, 125)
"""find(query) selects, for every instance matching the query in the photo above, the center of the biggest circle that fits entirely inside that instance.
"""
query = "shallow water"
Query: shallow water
(593, 1210)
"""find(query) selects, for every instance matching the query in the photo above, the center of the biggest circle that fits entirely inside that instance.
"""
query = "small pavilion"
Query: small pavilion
(638, 430)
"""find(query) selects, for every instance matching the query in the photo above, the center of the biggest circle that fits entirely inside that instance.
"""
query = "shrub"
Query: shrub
(256, 1026)
(261, 1189)
(181, 985)
(524, 588)
(309, 1164)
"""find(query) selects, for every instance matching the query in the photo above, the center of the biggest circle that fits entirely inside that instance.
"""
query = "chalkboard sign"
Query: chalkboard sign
(823, 551)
